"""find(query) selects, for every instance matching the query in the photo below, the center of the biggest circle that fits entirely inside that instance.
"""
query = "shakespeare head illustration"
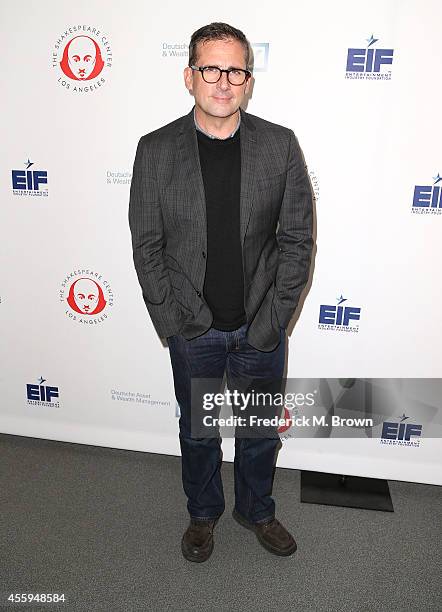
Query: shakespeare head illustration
(86, 297)
(82, 59)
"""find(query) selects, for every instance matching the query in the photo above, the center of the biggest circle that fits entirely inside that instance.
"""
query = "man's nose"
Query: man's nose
(223, 83)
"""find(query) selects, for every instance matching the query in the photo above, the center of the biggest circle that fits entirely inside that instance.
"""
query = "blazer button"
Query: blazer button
(204, 254)
(198, 293)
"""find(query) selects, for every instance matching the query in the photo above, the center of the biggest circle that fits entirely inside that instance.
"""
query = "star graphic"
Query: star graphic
(41, 380)
(403, 417)
(437, 178)
(371, 40)
(28, 163)
(341, 299)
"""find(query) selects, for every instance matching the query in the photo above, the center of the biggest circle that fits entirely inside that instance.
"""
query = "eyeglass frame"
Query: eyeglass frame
(201, 69)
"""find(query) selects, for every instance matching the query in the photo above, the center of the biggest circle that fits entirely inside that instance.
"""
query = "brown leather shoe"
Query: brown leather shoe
(197, 542)
(272, 535)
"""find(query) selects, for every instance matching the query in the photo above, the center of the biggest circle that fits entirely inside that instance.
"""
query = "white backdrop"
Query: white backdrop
(368, 143)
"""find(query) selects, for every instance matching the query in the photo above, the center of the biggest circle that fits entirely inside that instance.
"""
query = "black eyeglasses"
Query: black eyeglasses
(212, 74)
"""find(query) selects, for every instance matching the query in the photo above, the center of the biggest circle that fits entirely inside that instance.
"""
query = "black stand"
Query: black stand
(348, 491)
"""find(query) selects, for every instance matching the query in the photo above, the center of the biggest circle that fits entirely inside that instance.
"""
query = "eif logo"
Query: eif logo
(29, 182)
(402, 433)
(369, 63)
(427, 199)
(42, 395)
(339, 317)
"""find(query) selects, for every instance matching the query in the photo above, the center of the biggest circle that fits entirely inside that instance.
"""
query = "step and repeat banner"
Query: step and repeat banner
(81, 361)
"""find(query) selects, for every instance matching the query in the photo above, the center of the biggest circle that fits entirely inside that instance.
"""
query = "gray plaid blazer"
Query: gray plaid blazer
(167, 218)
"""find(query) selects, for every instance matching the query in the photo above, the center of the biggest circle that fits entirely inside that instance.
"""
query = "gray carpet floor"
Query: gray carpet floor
(104, 527)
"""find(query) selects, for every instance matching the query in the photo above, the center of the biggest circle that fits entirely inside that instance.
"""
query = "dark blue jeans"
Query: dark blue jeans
(209, 356)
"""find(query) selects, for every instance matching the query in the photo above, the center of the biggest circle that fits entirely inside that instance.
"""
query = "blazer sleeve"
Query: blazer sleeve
(146, 225)
(294, 235)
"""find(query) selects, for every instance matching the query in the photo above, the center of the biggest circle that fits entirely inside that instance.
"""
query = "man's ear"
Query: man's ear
(188, 78)
(248, 85)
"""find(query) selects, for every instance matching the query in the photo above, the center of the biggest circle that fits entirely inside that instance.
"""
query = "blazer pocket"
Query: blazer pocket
(270, 189)
(271, 182)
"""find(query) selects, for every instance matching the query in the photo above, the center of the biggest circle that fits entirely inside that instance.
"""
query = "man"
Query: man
(220, 278)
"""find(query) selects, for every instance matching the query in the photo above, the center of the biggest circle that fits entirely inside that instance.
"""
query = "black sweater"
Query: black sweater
(224, 282)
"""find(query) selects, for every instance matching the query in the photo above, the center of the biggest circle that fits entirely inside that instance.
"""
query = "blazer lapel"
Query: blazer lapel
(248, 165)
(191, 171)
(189, 155)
